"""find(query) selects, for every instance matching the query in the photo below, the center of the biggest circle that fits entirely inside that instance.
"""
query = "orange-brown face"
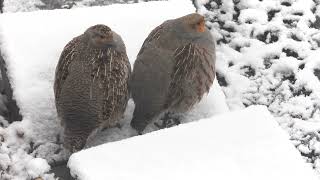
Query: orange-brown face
(195, 21)
(200, 26)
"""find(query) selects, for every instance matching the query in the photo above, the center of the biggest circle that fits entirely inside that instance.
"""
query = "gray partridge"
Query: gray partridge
(91, 84)
(173, 70)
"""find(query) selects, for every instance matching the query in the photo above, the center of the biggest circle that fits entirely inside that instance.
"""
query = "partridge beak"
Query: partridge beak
(201, 26)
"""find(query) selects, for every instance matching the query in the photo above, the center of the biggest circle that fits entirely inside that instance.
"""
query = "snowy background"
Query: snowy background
(33, 5)
(270, 56)
(267, 54)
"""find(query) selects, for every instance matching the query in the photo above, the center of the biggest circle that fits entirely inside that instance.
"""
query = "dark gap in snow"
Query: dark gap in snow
(301, 66)
(62, 172)
(317, 2)
(316, 72)
(268, 36)
(221, 24)
(295, 37)
(311, 156)
(221, 80)
(236, 15)
(286, 3)
(249, 21)
(291, 53)
(1, 6)
(267, 63)
(316, 40)
(54, 4)
(218, 2)
(229, 29)
(222, 40)
(230, 64)
(272, 13)
(20, 134)
(222, 12)
(237, 48)
(301, 91)
(32, 147)
(316, 23)
(213, 4)
(213, 20)
(268, 60)
(207, 5)
(58, 151)
(297, 116)
(290, 77)
(314, 9)
(13, 110)
(196, 4)
(252, 33)
(298, 13)
(249, 71)
(290, 23)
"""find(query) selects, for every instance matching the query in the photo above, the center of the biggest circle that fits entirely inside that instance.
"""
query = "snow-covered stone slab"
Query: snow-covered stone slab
(243, 145)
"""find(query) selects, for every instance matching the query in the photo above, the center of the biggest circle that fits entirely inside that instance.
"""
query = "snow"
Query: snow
(31, 66)
(37, 167)
(21, 5)
(268, 53)
(31, 44)
(261, 59)
(246, 144)
(253, 14)
(11, 6)
(213, 103)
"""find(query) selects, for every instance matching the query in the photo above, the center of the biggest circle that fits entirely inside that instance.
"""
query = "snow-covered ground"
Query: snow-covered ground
(34, 5)
(267, 54)
(243, 145)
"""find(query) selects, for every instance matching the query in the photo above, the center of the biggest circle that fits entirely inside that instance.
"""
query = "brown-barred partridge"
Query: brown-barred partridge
(91, 84)
(173, 70)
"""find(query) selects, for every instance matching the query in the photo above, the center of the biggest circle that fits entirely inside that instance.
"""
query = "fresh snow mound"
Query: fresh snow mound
(247, 144)
(37, 167)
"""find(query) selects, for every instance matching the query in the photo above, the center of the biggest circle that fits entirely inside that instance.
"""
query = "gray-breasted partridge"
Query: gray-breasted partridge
(91, 84)
(173, 70)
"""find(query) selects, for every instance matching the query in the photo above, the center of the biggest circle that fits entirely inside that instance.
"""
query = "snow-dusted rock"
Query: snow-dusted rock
(244, 145)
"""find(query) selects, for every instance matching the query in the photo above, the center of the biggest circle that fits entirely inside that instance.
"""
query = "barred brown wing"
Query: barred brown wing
(62, 69)
(154, 35)
(192, 76)
(113, 78)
